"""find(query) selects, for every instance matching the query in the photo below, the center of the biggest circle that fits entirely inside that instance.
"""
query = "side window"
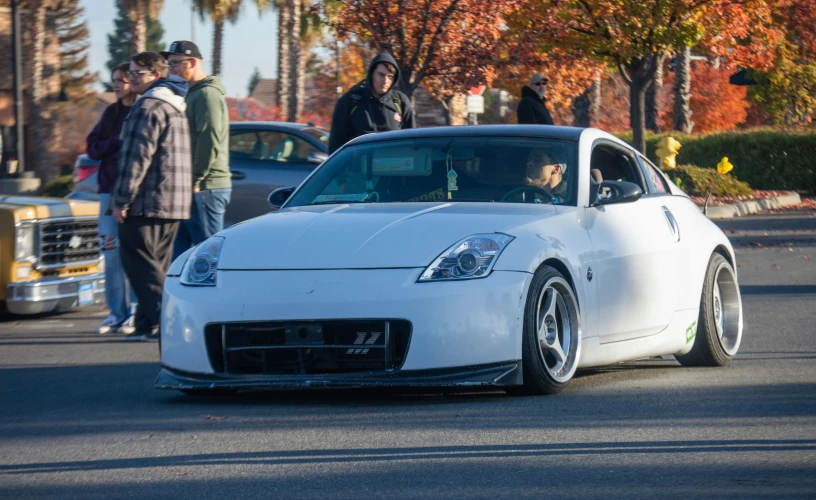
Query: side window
(609, 163)
(245, 145)
(657, 185)
(269, 145)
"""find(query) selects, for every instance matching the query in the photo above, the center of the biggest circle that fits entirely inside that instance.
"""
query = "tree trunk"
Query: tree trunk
(595, 102)
(284, 75)
(39, 122)
(637, 75)
(682, 91)
(218, 45)
(138, 23)
(654, 103)
(581, 108)
(295, 100)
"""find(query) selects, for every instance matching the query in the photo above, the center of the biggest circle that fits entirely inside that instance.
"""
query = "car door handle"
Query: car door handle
(237, 175)
(673, 226)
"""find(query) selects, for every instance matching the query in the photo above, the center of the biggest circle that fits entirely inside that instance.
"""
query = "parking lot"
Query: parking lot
(79, 417)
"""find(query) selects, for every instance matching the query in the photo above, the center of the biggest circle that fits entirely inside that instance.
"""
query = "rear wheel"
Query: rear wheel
(551, 343)
(719, 325)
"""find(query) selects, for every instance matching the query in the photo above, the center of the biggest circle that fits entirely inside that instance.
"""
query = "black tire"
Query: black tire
(539, 356)
(719, 324)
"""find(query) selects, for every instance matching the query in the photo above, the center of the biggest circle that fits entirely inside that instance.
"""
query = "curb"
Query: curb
(754, 206)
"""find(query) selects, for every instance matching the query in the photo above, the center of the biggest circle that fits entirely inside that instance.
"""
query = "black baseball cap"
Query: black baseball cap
(183, 48)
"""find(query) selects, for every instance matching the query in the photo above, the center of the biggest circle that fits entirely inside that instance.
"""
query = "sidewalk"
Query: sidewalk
(782, 200)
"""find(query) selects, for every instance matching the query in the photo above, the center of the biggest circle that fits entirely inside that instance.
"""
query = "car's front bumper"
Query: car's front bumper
(494, 374)
(52, 295)
(454, 325)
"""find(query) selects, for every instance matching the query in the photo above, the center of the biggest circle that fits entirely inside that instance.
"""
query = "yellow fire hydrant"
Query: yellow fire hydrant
(667, 149)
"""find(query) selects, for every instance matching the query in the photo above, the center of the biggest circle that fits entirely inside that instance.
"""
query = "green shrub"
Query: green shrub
(697, 181)
(765, 159)
(58, 187)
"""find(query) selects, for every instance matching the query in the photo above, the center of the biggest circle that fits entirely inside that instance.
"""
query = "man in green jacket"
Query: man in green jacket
(209, 132)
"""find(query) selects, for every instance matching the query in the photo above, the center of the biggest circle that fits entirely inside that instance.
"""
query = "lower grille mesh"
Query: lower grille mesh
(307, 347)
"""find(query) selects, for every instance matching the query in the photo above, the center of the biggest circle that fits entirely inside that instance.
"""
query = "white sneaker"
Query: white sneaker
(107, 325)
(128, 326)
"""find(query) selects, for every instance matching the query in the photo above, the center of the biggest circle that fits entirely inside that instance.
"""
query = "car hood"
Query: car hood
(365, 236)
(36, 207)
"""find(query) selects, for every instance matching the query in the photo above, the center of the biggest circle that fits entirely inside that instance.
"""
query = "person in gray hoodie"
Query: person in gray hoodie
(153, 187)
(373, 105)
(209, 133)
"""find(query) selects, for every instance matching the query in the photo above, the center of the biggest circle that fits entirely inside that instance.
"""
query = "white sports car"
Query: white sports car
(493, 255)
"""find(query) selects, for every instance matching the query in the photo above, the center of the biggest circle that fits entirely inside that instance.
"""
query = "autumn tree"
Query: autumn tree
(446, 45)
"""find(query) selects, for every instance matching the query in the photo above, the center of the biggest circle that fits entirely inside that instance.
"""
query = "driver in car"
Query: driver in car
(547, 173)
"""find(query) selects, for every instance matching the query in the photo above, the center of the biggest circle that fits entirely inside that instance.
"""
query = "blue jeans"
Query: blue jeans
(206, 219)
(117, 288)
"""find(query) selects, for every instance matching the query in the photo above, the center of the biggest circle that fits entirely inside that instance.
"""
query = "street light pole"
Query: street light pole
(17, 68)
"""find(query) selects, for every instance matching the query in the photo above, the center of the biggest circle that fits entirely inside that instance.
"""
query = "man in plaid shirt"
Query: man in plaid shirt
(153, 190)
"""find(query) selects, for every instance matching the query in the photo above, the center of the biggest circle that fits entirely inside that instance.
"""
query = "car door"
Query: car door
(263, 159)
(635, 254)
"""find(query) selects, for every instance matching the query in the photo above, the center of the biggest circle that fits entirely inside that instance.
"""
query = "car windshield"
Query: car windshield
(465, 169)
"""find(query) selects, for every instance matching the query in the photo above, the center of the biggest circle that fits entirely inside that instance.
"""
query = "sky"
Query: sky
(250, 42)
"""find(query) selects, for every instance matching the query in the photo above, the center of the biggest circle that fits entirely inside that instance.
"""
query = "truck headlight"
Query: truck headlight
(24, 242)
(201, 265)
(471, 258)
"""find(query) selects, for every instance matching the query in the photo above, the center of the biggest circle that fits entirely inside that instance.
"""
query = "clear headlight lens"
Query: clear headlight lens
(471, 258)
(200, 267)
(24, 242)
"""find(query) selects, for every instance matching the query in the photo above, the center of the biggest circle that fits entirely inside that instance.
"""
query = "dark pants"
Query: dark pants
(206, 218)
(146, 247)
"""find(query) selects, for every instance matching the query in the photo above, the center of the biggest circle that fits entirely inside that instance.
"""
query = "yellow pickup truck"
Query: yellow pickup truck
(49, 254)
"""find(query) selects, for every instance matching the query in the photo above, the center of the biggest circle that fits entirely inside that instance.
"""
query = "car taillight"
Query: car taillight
(82, 173)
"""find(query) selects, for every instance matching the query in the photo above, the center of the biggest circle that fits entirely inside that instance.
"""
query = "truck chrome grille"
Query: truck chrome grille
(307, 347)
(68, 242)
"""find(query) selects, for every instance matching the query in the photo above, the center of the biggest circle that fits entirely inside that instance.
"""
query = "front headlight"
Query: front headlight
(200, 267)
(24, 242)
(471, 258)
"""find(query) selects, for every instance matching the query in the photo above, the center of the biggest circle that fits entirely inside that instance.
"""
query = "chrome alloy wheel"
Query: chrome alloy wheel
(727, 308)
(558, 329)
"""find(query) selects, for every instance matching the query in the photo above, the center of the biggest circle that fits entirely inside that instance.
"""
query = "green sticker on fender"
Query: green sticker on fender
(691, 331)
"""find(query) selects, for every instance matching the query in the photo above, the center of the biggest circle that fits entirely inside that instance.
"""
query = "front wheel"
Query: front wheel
(551, 343)
(719, 325)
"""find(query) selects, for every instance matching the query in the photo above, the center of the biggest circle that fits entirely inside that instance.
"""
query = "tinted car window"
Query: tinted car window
(656, 183)
(269, 145)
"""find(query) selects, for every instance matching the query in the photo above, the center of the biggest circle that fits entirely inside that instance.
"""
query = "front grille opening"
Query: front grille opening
(308, 347)
(68, 242)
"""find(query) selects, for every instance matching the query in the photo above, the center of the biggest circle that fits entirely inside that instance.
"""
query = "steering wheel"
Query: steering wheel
(533, 190)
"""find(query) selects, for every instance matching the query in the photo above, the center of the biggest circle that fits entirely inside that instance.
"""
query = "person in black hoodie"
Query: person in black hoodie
(532, 109)
(103, 145)
(373, 105)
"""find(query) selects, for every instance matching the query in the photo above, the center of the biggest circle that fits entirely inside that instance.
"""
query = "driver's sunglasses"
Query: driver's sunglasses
(540, 84)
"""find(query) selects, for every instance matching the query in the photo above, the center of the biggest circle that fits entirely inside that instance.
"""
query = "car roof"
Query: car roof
(544, 131)
(289, 125)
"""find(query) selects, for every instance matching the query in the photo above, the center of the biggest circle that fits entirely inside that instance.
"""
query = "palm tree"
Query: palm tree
(40, 122)
(682, 91)
(221, 11)
(298, 31)
(139, 11)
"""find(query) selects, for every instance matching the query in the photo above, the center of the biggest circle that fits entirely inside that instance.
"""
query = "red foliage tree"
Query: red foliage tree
(447, 45)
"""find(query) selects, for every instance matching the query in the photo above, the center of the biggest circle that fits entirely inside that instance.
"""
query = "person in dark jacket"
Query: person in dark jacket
(154, 184)
(373, 105)
(532, 109)
(103, 145)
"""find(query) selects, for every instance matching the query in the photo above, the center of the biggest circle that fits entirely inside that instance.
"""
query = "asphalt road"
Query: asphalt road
(79, 417)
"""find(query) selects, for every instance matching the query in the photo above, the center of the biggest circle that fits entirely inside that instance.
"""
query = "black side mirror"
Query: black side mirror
(279, 196)
(613, 192)
(316, 157)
